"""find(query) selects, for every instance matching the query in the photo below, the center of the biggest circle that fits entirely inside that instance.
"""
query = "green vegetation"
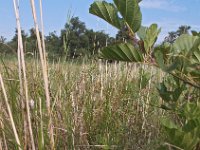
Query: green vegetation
(179, 57)
(74, 41)
(94, 106)
(138, 96)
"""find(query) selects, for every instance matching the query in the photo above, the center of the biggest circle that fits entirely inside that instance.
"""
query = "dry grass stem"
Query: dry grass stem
(23, 67)
(44, 70)
(10, 113)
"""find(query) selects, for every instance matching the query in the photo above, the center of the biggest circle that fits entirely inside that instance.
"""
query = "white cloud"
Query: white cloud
(167, 5)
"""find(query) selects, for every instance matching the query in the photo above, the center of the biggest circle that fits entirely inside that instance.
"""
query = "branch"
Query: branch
(186, 82)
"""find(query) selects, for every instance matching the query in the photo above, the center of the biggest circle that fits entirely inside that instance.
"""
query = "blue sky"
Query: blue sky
(168, 14)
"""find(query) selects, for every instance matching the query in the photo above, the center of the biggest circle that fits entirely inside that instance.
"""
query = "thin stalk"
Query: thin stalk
(74, 120)
(10, 113)
(1, 147)
(42, 31)
(170, 146)
(4, 136)
(148, 93)
(44, 71)
(22, 64)
(21, 97)
(41, 122)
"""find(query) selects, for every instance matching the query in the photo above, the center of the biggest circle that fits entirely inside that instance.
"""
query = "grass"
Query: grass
(69, 105)
(94, 106)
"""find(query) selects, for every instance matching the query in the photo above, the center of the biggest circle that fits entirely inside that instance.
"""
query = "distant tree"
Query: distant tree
(76, 39)
(30, 42)
(98, 40)
(2, 45)
(54, 45)
(14, 41)
(5, 48)
(172, 36)
(123, 35)
(2, 39)
(15, 37)
(81, 41)
(184, 29)
(102, 39)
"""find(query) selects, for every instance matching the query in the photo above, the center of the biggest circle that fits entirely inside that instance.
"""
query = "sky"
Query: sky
(168, 14)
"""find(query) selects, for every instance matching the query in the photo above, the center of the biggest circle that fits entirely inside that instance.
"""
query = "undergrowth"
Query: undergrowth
(95, 105)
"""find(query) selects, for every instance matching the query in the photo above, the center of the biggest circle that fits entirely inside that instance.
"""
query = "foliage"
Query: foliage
(54, 46)
(180, 58)
(173, 35)
(109, 105)
(81, 41)
(107, 12)
(74, 41)
(2, 45)
(123, 52)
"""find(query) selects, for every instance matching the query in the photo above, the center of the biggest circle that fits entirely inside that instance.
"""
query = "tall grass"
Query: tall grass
(24, 96)
(96, 105)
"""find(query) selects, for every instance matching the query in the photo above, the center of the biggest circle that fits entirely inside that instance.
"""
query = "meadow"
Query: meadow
(96, 105)
(128, 93)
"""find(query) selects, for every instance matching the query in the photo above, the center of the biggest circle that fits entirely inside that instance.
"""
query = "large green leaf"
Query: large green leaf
(195, 52)
(122, 52)
(170, 95)
(191, 125)
(160, 59)
(186, 49)
(141, 33)
(191, 111)
(106, 11)
(197, 56)
(187, 46)
(139, 1)
(151, 36)
(195, 33)
(130, 11)
(178, 137)
(168, 123)
(184, 44)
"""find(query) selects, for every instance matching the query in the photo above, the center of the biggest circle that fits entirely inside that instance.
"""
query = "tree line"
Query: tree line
(75, 41)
